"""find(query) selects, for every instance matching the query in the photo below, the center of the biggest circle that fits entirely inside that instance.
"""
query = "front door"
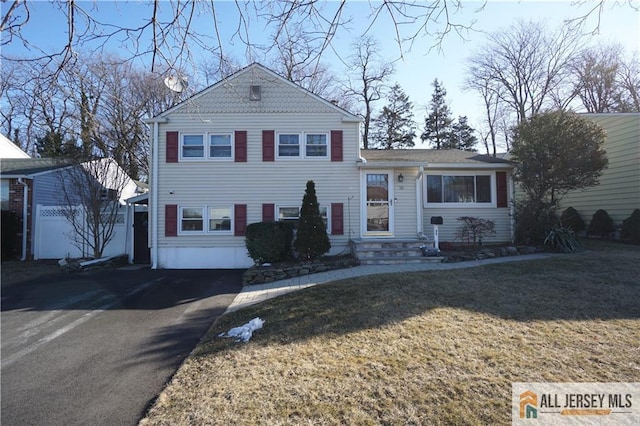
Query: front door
(378, 204)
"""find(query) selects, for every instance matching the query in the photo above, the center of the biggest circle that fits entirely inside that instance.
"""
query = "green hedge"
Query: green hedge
(631, 227)
(269, 241)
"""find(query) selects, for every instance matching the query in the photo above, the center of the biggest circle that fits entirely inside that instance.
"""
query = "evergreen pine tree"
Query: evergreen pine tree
(312, 240)
(394, 127)
(438, 124)
(51, 145)
(462, 136)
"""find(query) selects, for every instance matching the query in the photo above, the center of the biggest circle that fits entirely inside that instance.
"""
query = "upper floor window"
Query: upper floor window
(316, 145)
(458, 189)
(288, 145)
(219, 146)
(192, 146)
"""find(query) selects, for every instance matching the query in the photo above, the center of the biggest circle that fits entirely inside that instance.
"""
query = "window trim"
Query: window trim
(205, 220)
(181, 218)
(206, 147)
(231, 220)
(302, 146)
(327, 144)
(288, 157)
(289, 206)
(491, 174)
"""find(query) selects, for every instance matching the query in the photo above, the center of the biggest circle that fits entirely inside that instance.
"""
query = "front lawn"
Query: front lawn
(418, 348)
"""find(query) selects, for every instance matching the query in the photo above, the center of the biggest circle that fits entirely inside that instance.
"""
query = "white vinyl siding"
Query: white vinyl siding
(405, 220)
(447, 231)
(255, 182)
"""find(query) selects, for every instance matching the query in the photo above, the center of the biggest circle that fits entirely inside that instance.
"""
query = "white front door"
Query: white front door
(378, 203)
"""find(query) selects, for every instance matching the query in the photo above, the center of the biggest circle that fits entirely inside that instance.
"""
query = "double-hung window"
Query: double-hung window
(316, 145)
(192, 146)
(218, 219)
(293, 214)
(219, 146)
(206, 146)
(456, 189)
(288, 145)
(191, 219)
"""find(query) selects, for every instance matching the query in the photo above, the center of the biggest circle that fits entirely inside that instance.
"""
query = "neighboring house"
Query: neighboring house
(242, 150)
(33, 187)
(618, 191)
(9, 149)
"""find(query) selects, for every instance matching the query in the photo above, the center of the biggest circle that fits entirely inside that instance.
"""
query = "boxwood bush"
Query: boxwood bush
(570, 218)
(269, 241)
(601, 224)
(631, 227)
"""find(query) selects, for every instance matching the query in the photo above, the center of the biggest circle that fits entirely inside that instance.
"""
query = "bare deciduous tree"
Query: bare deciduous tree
(367, 82)
(595, 73)
(91, 195)
(525, 65)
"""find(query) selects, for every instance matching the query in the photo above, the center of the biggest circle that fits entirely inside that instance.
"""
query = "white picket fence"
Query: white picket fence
(55, 238)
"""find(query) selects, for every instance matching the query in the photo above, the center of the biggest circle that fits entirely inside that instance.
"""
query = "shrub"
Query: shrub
(533, 221)
(269, 241)
(562, 239)
(475, 229)
(311, 240)
(601, 224)
(631, 227)
(570, 218)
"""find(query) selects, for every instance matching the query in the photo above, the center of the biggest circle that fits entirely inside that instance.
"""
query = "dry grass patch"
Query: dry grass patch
(420, 348)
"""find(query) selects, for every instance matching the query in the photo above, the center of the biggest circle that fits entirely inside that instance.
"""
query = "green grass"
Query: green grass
(420, 348)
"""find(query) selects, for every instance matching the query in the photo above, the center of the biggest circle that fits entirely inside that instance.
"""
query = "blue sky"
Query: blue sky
(415, 71)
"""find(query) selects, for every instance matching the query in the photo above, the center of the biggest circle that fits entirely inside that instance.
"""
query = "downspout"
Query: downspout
(512, 204)
(25, 211)
(419, 211)
(154, 195)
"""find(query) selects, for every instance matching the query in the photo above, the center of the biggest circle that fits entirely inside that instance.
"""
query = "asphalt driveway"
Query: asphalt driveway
(97, 347)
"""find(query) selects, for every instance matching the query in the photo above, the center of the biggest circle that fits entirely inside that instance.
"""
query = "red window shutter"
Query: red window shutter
(172, 147)
(268, 212)
(501, 189)
(241, 146)
(268, 145)
(240, 220)
(170, 220)
(336, 145)
(337, 219)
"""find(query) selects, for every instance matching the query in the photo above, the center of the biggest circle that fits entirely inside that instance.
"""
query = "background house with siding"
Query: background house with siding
(34, 193)
(618, 191)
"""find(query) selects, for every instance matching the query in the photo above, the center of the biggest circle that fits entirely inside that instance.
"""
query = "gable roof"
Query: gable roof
(30, 166)
(432, 157)
(9, 149)
(260, 74)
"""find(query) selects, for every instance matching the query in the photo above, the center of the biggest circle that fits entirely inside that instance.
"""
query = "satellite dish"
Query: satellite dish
(175, 83)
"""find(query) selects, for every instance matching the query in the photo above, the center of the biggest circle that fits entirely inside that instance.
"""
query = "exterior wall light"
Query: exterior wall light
(400, 178)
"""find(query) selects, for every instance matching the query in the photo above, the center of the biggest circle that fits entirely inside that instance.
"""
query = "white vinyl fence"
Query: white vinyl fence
(55, 238)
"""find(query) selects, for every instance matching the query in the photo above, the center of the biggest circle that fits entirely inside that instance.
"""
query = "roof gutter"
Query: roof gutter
(25, 211)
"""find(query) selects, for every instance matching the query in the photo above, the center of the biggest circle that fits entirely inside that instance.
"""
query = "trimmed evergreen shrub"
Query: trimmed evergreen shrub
(631, 227)
(601, 224)
(311, 240)
(269, 241)
(570, 218)
(533, 221)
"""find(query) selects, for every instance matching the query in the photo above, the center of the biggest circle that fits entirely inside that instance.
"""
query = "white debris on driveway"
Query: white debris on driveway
(244, 332)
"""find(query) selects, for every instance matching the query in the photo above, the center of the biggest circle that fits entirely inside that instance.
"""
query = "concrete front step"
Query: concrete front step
(400, 260)
(387, 252)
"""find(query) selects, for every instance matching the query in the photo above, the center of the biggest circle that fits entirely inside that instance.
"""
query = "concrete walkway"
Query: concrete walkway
(252, 294)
